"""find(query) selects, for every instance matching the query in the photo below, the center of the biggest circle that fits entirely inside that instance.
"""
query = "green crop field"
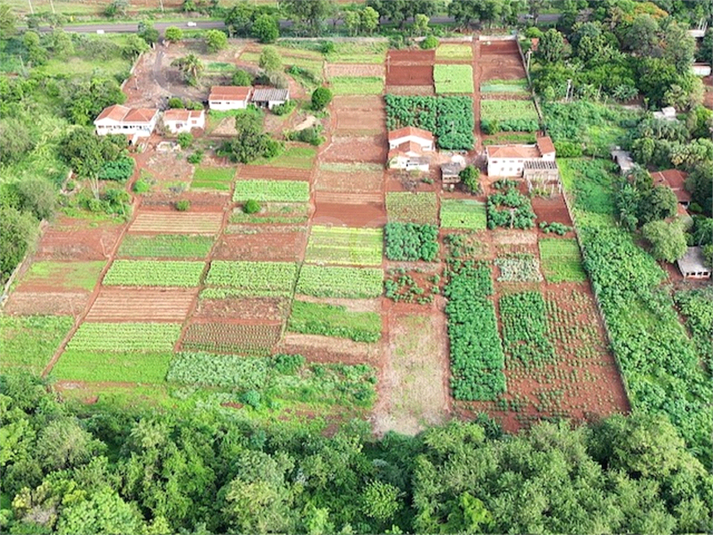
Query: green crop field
(293, 157)
(561, 260)
(340, 245)
(28, 343)
(503, 110)
(124, 337)
(216, 178)
(254, 278)
(120, 366)
(511, 87)
(337, 321)
(273, 212)
(406, 207)
(463, 214)
(454, 51)
(453, 78)
(64, 275)
(355, 52)
(181, 273)
(271, 191)
(357, 85)
(165, 246)
(333, 281)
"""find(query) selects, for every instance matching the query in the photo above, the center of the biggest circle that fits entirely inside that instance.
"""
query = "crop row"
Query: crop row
(335, 281)
(477, 357)
(337, 321)
(180, 273)
(453, 78)
(271, 191)
(518, 267)
(508, 116)
(463, 214)
(525, 328)
(341, 245)
(697, 307)
(254, 278)
(125, 337)
(165, 246)
(561, 260)
(231, 338)
(407, 207)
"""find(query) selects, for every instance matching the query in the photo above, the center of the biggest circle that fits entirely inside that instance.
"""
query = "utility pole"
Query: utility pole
(32, 11)
(529, 55)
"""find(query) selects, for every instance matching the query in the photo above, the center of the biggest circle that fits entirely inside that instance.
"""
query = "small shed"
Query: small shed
(692, 264)
(666, 114)
(270, 97)
(542, 175)
(450, 174)
(623, 160)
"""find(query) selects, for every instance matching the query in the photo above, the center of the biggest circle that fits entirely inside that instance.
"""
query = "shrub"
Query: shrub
(321, 97)
(183, 205)
(242, 78)
(251, 206)
(270, 60)
(265, 29)
(195, 158)
(118, 170)
(409, 241)
(215, 40)
(311, 135)
(327, 47)
(285, 109)
(185, 140)
(470, 178)
(141, 186)
(173, 34)
(429, 43)
(175, 102)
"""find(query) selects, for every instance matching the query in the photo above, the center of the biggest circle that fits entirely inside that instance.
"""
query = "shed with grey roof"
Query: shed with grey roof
(270, 97)
(692, 264)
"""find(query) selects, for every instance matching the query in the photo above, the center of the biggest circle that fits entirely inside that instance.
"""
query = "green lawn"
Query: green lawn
(294, 157)
(463, 214)
(217, 178)
(165, 246)
(357, 85)
(337, 321)
(29, 342)
(120, 367)
(65, 275)
(453, 78)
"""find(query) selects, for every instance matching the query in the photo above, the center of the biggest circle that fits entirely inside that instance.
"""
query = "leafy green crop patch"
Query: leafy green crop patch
(518, 267)
(411, 242)
(293, 157)
(454, 51)
(123, 337)
(165, 246)
(508, 116)
(523, 317)
(337, 321)
(254, 278)
(463, 214)
(119, 366)
(341, 245)
(29, 342)
(245, 339)
(453, 78)
(407, 207)
(357, 85)
(271, 191)
(64, 275)
(179, 273)
(696, 306)
(561, 260)
(336, 281)
(510, 209)
(512, 87)
(215, 178)
(357, 52)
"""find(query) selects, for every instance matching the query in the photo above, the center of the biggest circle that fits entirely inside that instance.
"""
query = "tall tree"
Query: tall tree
(191, 66)
(551, 46)
(312, 12)
(680, 47)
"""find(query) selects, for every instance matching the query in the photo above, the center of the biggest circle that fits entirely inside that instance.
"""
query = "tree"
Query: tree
(265, 29)
(17, 230)
(551, 46)
(680, 48)
(148, 33)
(642, 37)
(369, 18)
(270, 60)
(37, 195)
(470, 178)
(242, 78)
(60, 43)
(134, 47)
(215, 40)
(191, 67)
(535, 7)
(321, 97)
(8, 20)
(15, 140)
(185, 139)
(705, 52)
(420, 23)
(657, 203)
(173, 34)
(352, 22)
(313, 13)
(380, 501)
(35, 53)
(63, 444)
(667, 239)
(116, 8)
(104, 512)
(251, 206)
(465, 12)
(700, 184)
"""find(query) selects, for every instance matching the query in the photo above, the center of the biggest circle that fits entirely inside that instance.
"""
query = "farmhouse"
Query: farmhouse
(676, 180)
(229, 97)
(270, 97)
(692, 264)
(179, 120)
(133, 122)
(623, 160)
(509, 160)
(409, 156)
(410, 134)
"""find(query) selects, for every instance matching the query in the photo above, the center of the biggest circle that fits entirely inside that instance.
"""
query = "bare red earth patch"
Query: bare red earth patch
(170, 305)
(357, 121)
(409, 75)
(411, 56)
(78, 239)
(201, 201)
(262, 246)
(552, 210)
(245, 308)
(28, 303)
(357, 181)
(371, 149)
(362, 102)
(330, 350)
(351, 215)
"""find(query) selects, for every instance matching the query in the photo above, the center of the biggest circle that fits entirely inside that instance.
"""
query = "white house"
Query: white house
(410, 157)
(701, 69)
(180, 120)
(229, 97)
(423, 138)
(666, 114)
(270, 97)
(132, 122)
(509, 160)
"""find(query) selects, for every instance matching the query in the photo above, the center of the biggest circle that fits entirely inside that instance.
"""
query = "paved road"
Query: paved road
(132, 27)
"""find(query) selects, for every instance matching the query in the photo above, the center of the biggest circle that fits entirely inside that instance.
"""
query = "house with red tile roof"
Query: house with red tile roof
(676, 180)
(409, 149)
(132, 122)
(177, 121)
(411, 134)
(509, 160)
(229, 97)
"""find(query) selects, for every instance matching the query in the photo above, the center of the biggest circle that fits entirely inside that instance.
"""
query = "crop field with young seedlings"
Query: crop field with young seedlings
(411, 286)
(357, 85)
(294, 157)
(179, 222)
(287, 191)
(453, 78)
(561, 260)
(407, 207)
(518, 267)
(27, 343)
(343, 245)
(525, 329)
(336, 281)
(454, 51)
(509, 87)
(57, 276)
(180, 273)
(463, 214)
(508, 116)
(213, 178)
(254, 278)
(336, 321)
(247, 339)
(148, 367)
(165, 246)
(124, 337)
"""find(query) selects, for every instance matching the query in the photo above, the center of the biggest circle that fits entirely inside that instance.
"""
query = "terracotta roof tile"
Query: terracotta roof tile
(229, 92)
(410, 131)
(140, 115)
(182, 115)
(117, 112)
(518, 152)
(545, 145)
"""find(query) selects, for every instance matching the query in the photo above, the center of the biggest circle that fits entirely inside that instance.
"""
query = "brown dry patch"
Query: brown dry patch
(407, 90)
(411, 57)
(358, 181)
(330, 350)
(142, 305)
(362, 102)
(27, 303)
(514, 237)
(232, 337)
(552, 210)
(372, 149)
(500, 60)
(246, 308)
(201, 201)
(351, 215)
(356, 122)
(77, 239)
(354, 69)
(166, 168)
(262, 246)
(353, 305)
(265, 171)
(409, 75)
(177, 222)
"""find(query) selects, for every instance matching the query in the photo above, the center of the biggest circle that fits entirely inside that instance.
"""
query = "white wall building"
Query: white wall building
(229, 97)
(509, 160)
(270, 97)
(409, 156)
(177, 121)
(132, 122)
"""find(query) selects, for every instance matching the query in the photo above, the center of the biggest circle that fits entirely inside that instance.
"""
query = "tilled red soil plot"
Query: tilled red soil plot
(409, 75)
(170, 305)
(360, 102)
(245, 308)
(552, 210)
(352, 214)
(371, 149)
(410, 90)
(413, 56)
(354, 69)
(78, 239)
(357, 181)
(265, 171)
(201, 201)
(239, 338)
(330, 350)
(355, 122)
(500, 60)
(177, 222)
(28, 303)
(262, 246)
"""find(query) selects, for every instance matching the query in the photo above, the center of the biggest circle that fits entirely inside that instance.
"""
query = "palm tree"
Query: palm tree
(191, 67)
